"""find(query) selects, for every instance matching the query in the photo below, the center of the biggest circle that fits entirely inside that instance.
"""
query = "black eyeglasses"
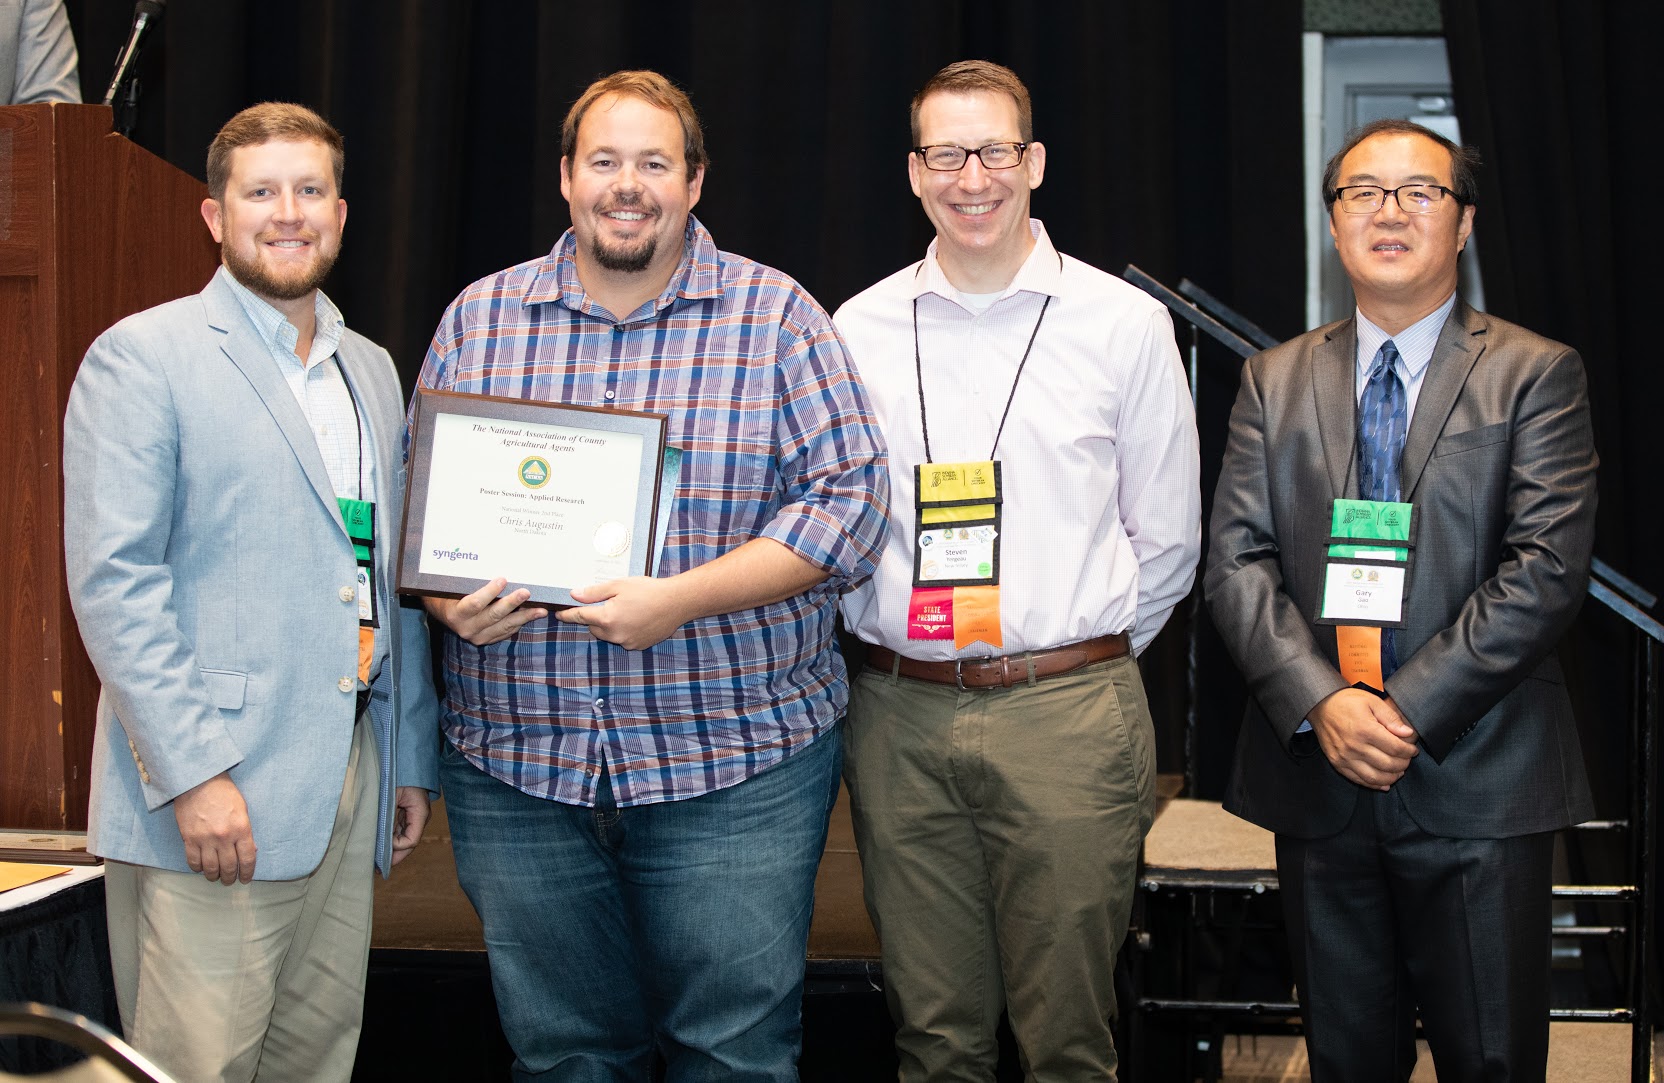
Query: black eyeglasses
(1412, 198)
(946, 158)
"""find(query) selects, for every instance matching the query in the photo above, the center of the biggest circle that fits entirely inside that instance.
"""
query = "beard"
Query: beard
(290, 284)
(626, 260)
(629, 260)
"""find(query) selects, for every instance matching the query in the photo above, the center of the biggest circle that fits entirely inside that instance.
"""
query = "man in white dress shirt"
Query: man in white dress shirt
(999, 752)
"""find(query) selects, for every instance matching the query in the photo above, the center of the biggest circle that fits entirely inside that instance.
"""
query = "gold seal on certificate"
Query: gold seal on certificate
(547, 496)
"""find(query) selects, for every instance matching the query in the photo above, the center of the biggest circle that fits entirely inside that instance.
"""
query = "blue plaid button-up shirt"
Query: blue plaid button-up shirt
(778, 442)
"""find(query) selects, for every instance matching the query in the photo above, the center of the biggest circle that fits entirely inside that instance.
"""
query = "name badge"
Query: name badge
(360, 519)
(956, 553)
(1366, 570)
(366, 598)
(1363, 593)
(956, 526)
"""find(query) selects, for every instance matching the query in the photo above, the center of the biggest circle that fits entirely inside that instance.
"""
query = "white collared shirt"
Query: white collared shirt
(1099, 461)
(1415, 351)
(319, 388)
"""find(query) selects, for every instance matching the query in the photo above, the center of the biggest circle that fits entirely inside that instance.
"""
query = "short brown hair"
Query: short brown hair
(655, 90)
(265, 123)
(978, 76)
(1464, 161)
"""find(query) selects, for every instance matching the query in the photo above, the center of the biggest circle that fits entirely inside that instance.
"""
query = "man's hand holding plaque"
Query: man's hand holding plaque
(486, 616)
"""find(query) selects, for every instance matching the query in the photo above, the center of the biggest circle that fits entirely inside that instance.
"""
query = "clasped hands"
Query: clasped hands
(634, 613)
(1366, 738)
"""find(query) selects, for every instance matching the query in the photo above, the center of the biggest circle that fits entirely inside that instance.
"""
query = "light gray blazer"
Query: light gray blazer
(38, 62)
(1500, 464)
(207, 565)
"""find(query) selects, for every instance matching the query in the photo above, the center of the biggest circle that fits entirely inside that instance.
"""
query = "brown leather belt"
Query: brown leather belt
(1004, 672)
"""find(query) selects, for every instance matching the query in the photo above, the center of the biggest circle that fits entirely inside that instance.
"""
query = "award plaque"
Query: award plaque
(547, 496)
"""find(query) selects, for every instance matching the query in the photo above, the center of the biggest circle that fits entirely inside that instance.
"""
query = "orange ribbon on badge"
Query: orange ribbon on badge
(1359, 650)
(366, 652)
(976, 616)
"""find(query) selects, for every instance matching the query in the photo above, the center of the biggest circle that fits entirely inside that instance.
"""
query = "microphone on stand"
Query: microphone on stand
(146, 14)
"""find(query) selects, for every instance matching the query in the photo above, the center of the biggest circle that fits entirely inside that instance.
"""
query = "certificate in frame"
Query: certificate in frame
(546, 495)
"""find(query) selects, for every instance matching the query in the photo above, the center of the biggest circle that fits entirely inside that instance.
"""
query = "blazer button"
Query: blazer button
(346, 684)
(348, 594)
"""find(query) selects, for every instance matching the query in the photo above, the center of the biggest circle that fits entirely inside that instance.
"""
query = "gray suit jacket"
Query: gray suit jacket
(1500, 464)
(207, 560)
(38, 62)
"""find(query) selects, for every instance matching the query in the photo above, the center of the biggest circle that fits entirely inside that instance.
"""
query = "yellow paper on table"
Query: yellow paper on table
(22, 874)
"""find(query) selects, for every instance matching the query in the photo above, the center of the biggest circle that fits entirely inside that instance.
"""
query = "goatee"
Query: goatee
(629, 260)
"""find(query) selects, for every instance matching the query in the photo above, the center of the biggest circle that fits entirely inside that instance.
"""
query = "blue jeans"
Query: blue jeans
(680, 926)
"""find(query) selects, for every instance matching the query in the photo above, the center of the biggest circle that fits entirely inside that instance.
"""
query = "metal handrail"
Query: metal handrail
(1608, 596)
(1624, 585)
(1231, 318)
(1199, 321)
(1628, 599)
(82, 1034)
(1190, 313)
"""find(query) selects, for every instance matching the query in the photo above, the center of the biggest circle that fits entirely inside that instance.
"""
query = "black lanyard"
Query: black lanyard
(918, 369)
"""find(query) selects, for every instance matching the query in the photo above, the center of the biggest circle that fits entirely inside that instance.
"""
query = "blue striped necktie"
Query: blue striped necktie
(1383, 418)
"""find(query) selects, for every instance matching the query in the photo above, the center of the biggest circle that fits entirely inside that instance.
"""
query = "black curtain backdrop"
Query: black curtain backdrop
(1172, 130)
(1562, 100)
(1174, 140)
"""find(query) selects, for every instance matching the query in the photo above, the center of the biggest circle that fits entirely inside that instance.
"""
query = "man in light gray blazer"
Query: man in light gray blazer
(1414, 821)
(38, 61)
(267, 730)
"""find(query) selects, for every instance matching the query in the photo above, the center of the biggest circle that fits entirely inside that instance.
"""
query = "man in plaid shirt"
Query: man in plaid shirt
(638, 789)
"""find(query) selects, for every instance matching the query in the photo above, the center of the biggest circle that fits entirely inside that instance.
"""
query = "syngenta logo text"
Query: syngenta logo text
(454, 554)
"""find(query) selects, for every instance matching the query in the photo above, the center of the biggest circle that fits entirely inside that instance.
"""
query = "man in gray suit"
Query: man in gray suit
(38, 62)
(1413, 748)
(267, 730)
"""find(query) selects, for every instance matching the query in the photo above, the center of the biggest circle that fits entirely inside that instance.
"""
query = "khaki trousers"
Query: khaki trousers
(999, 834)
(257, 981)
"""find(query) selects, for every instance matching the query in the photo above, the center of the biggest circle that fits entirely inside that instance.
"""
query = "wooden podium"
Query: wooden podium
(92, 228)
